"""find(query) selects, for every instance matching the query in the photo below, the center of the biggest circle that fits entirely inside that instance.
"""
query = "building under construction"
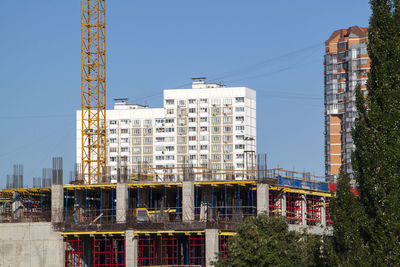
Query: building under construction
(142, 223)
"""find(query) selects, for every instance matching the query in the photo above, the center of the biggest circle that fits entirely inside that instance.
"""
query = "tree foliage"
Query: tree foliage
(370, 230)
(267, 241)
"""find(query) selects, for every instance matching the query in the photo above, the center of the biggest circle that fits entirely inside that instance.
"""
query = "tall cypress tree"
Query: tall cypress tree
(376, 159)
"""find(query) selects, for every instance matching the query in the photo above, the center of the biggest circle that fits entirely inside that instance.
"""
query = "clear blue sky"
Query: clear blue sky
(275, 47)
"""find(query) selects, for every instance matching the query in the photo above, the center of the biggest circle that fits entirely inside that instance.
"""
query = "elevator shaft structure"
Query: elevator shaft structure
(93, 76)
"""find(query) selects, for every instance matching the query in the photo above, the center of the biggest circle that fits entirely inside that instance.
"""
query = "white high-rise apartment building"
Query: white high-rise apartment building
(210, 127)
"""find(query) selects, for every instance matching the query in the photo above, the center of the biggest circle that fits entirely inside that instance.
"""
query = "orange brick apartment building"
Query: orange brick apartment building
(346, 64)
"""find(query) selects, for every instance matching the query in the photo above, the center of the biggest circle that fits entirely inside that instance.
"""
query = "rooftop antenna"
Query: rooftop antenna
(199, 79)
(123, 100)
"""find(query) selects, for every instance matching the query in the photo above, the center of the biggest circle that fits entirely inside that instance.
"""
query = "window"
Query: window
(239, 165)
(169, 148)
(148, 159)
(181, 158)
(239, 156)
(203, 156)
(192, 129)
(216, 157)
(227, 101)
(182, 121)
(227, 148)
(239, 146)
(113, 149)
(124, 149)
(147, 122)
(216, 138)
(159, 157)
(113, 140)
(182, 111)
(239, 118)
(147, 140)
(159, 121)
(203, 109)
(203, 101)
(148, 149)
(239, 109)
(136, 150)
(239, 128)
(181, 102)
(136, 141)
(170, 111)
(215, 111)
(203, 119)
(169, 120)
(227, 138)
(160, 139)
(136, 131)
(113, 131)
(227, 129)
(239, 99)
(216, 129)
(240, 137)
(227, 156)
(125, 121)
(227, 119)
(169, 130)
(124, 131)
(113, 158)
(136, 159)
(192, 110)
(216, 101)
(203, 129)
(203, 147)
(124, 140)
(192, 157)
(181, 149)
(181, 139)
(192, 147)
(216, 166)
(227, 110)
(342, 45)
(169, 101)
(215, 120)
(192, 101)
(216, 148)
(192, 119)
(192, 138)
(181, 130)
(169, 157)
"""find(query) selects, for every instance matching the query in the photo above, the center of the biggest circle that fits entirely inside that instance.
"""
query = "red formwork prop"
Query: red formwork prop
(328, 214)
(275, 203)
(223, 246)
(294, 208)
(146, 251)
(118, 252)
(169, 251)
(74, 253)
(196, 251)
(314, 206)
(109, 252)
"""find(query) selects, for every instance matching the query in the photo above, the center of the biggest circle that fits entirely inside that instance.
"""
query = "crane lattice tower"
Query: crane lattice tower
(93, 90)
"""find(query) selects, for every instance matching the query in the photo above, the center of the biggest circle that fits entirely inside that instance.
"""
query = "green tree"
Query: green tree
(267, 241)
(376, 159)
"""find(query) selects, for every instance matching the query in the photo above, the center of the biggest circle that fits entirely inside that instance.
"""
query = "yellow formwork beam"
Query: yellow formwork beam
(92, 233)
(301, 191)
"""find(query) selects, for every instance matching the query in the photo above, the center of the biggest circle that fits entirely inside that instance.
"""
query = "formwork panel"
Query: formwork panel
(146, 251)
(196, 251)
(223, 246)
(74, 254)
(275, 203)
(169, 251)
(314, 206)
(294, 208)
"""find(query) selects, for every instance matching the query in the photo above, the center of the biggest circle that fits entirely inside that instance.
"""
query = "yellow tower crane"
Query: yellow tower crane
(93, 78)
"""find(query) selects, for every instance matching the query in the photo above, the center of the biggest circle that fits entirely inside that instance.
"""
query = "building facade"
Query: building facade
(209, 128)
(346, 65)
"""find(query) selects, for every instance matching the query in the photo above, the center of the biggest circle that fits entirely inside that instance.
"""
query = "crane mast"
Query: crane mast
(93, 77)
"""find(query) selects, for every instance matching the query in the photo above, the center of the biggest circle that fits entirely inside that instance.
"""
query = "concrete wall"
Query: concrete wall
(30, 245)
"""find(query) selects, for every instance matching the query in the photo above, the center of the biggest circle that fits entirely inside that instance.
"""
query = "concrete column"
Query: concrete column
(323, 212)
(188, 201)
(122, 202)
(211, 246)
(303, 210)
(57, 203)
(262, 198)
(283, 206)
(130, 249)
